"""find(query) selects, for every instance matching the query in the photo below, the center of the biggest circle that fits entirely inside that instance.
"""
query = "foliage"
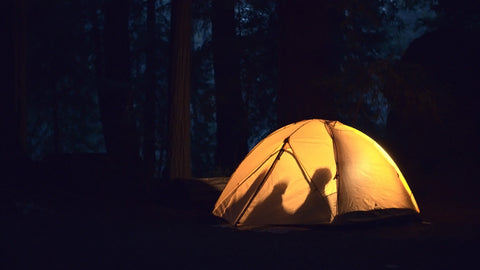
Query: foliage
(257, 27)
(63, 111)
(376, 34)
(370, 81)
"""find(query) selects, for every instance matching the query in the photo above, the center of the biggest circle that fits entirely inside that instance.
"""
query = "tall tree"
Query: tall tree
(232, 129)
(149, 110)
(12, 94)
(115, 94)
(179, 152)
(308, 53)
(439, 78)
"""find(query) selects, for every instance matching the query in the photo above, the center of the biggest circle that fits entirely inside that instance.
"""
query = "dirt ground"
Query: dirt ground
(181, 234)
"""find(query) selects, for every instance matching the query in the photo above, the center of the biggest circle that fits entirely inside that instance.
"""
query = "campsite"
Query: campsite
(175, 229)
(179, 232)
(239, 134)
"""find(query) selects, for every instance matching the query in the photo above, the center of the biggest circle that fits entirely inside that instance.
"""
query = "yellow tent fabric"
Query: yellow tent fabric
(314, 172)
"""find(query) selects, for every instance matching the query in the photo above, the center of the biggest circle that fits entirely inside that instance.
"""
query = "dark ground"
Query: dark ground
(174, 230)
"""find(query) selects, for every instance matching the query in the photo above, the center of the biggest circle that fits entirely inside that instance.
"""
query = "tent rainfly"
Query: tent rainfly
(315, 172)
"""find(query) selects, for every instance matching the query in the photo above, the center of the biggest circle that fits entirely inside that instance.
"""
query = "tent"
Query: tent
(315, 172)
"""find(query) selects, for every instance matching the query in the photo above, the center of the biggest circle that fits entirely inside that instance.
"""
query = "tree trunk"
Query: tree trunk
(13, 94)
(115, 93)
(232, 129)
(308, 51)
(179, 151)
(149, 110)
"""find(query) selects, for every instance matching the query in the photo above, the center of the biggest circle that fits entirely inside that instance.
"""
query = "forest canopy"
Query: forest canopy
(100, 75)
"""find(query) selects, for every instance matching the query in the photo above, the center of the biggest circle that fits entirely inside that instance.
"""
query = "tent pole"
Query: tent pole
(261, 183)
(328, 126)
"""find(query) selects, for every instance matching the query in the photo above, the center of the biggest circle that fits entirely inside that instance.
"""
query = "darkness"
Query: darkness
(122, 120)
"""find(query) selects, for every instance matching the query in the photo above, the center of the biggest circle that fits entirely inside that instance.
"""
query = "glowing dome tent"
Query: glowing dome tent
(315, 172)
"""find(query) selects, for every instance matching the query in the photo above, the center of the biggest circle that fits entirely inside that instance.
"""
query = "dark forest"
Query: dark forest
(132, 114)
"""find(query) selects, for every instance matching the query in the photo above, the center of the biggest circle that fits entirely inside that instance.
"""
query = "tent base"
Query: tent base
(391, 215)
